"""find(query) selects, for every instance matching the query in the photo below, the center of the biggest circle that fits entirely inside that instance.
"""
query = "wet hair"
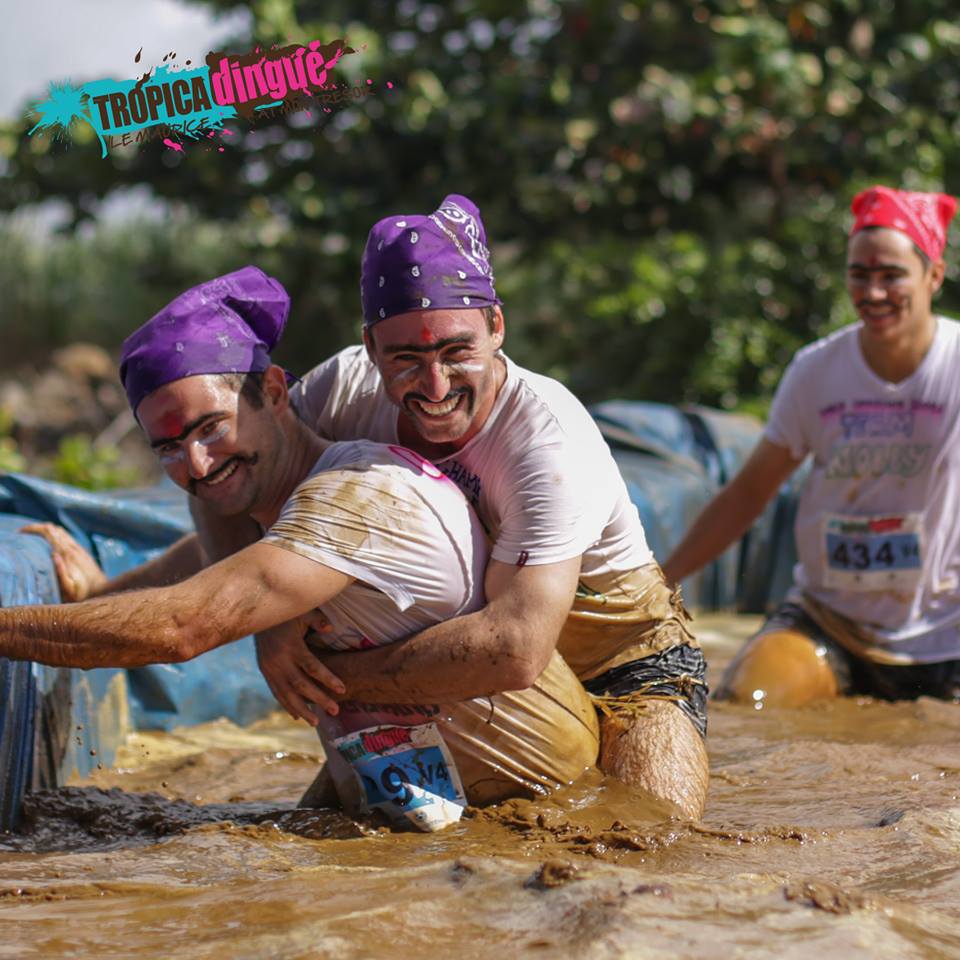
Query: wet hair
(924, 259)
(248, 385)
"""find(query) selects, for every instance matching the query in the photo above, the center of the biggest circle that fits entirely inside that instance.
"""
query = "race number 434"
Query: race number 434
(872, 553)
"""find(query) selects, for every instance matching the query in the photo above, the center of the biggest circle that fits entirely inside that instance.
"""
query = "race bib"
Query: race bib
(406, 772)
(872, 553)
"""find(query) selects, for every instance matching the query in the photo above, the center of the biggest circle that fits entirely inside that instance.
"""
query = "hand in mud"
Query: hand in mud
(77, 571)
(300, 682)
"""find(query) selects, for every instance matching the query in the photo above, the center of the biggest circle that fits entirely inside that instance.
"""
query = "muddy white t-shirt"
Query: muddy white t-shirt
(393, 521)
(418, 552)
(539, 474)
(878, 521)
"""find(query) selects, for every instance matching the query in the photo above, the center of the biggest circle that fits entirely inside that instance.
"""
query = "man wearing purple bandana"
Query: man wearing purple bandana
(375, 537)
(570, 568)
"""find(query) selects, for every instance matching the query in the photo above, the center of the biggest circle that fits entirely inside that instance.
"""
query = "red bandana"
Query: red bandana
(923, 217)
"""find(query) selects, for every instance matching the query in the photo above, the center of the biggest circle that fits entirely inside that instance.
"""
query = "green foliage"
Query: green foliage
(78, 461)
(82, 464)
(11, 460)
(665, 183)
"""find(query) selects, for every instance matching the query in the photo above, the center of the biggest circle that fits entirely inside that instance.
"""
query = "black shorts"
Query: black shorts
(857, 675)
(676, 673)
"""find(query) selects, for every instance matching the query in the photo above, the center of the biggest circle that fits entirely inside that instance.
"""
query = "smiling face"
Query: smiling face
(440, 368)
(213, 442)
(891, 288)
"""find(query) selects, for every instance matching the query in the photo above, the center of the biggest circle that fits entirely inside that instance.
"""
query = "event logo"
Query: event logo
(180, 104)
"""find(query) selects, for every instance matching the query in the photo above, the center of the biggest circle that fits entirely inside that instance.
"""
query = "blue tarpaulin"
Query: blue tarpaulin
(56, 722)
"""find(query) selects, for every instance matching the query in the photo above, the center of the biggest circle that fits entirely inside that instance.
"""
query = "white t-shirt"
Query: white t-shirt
(538, 473)
(878, 521)
(393, 521)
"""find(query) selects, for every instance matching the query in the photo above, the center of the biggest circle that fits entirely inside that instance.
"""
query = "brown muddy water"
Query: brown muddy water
(830, 832)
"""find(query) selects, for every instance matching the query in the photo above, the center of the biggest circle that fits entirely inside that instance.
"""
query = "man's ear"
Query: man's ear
(499, 331)
(368, 344)
(275, 388)
(937, 273)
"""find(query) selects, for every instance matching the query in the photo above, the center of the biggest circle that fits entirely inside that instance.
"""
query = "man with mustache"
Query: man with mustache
(570, 568)
(875, 606)
(377, 538)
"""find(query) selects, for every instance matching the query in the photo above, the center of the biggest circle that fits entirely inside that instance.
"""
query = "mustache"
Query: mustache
(250, 460)
(459, 391)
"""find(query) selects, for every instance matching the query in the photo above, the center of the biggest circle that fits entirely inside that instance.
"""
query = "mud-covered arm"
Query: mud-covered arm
(504, 646)
(261, 586)
(731, 512)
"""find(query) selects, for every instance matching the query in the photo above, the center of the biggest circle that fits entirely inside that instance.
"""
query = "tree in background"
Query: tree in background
(665, 183)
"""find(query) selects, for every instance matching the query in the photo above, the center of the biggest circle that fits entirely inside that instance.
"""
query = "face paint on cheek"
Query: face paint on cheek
(407, 374)
(180, 454)
(217, 434)
(465, 367)
(173, 457)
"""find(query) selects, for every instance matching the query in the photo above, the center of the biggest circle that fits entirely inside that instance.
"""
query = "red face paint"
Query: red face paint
(425, 335)
(171, 425)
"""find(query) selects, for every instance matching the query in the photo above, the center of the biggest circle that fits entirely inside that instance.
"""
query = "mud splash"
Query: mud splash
(830, 831)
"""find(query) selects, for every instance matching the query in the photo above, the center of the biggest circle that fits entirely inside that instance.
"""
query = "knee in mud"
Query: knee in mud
(655, 746)
(780, 668)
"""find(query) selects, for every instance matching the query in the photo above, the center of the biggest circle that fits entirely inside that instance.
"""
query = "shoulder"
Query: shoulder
(949, 330)
(833, 344)
(819, 358)
(387, 466)
(347, 367)
(545, 405)
(335, 393)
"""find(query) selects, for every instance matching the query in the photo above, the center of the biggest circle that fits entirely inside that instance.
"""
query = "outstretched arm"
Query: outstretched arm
(504, 646)
(254, 589)
(731, 512)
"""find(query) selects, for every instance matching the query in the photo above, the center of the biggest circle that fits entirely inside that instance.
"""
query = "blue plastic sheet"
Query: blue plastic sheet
(55, 722)
(674, 461)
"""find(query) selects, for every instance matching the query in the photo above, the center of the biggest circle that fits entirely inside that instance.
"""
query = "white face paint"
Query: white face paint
(451, 368)
(403, 375)
(465, 367)
(180, 454)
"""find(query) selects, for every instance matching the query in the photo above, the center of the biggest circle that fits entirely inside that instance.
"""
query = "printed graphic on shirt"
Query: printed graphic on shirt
(878, 437)
(469, 483)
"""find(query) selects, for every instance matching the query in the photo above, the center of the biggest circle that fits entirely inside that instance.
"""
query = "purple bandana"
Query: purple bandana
(226, 325)
(437, 262)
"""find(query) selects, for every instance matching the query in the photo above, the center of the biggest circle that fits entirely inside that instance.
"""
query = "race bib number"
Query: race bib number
(872, 553)
(406, 772)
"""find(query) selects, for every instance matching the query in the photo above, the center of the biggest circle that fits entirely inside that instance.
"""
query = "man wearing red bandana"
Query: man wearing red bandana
(875, 604)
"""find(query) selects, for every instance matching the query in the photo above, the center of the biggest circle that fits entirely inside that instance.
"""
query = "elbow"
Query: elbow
(182, 642)
(525, 662)
(521, 676)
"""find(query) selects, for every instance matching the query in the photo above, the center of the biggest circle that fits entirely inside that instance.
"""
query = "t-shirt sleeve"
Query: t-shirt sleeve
(366, 525)
(547, 509)
(785, 423)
